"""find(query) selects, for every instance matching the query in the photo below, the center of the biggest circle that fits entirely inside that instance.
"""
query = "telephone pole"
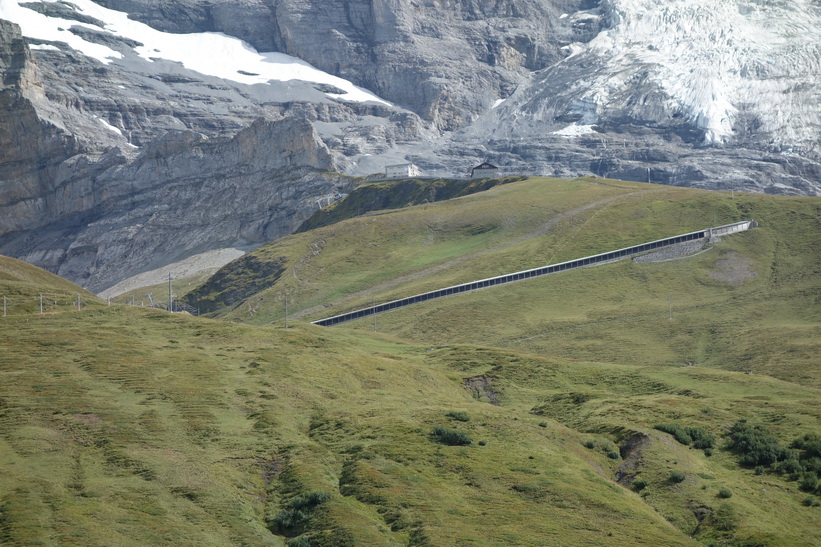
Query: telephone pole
(170, 304)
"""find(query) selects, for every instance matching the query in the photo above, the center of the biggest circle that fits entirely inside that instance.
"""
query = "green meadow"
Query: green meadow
(585, 408)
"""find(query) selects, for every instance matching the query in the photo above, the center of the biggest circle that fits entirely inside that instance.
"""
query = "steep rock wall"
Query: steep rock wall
(182, 195)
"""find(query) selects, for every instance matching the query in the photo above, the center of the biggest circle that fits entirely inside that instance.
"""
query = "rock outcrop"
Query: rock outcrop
(182, 195)
(31, 148)
(446, 61)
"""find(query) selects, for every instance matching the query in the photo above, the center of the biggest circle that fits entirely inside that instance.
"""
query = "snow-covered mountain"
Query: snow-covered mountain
(111, 106)
(717, 93)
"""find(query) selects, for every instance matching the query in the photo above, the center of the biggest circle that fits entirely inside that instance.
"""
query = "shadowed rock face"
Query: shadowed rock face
(31, 149)
(182, 195)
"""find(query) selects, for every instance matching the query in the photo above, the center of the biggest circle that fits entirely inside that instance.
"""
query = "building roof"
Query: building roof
(486, 165)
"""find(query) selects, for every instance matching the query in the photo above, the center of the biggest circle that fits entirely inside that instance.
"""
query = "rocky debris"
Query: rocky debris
(632, 451)
(483, 388)
(733, 268)
(673, 252)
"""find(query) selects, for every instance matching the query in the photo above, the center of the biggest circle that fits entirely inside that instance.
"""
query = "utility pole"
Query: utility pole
(670, 307)
(373, 307)
(170, 304)
(78, 303)
(286, 312)
(132, 299)
(4, 306)
(41, 304)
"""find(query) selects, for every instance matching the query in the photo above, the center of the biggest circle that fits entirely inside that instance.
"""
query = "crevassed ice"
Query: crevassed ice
(713, 57)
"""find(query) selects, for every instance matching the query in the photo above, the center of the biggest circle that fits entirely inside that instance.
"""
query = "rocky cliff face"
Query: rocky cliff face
(112, 134)
(112, 169)
(183, 194)
(31, 148)
(447, 61)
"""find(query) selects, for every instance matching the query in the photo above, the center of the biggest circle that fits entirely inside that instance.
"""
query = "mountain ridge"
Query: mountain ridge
(562, 88)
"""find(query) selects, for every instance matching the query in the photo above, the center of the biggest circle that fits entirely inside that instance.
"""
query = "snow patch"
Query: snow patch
(54, 29)
(497, 103)
(574, 130)
(209, 53)
(43, 47)
(110, 127)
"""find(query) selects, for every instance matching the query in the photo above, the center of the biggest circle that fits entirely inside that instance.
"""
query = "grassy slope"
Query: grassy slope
(615, 313)
(128, 426)
(22, 284)
(123, 425)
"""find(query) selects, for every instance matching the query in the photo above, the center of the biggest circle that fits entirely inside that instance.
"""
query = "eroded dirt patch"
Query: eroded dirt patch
(733, 268)
(482, 388)
(632, 451)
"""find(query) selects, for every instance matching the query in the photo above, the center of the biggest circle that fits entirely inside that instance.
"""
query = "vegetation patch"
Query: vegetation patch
(458, 415)
(450, 437)
(698, 437)
(235, 282)
(395, 194)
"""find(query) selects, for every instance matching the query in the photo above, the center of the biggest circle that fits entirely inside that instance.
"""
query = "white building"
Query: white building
(401, 170)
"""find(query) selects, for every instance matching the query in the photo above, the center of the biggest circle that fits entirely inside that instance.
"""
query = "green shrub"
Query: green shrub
(639, 485)
(542, 424)
(811, 501)
(696, 436)
(678, 432)
(590, 444)
(759, 469)
(808, 482)
(298, 511)
(789, 467)
(300, 541)
(701, 438)
(450, 437)
(482, 443)
(677, 476)
(458, 415)
(613, 455)
(809, 444)
(755, 445)
(812, 464)
(724, 493)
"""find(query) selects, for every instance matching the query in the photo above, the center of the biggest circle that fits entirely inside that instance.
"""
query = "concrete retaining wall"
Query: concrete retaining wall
(538, 272)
